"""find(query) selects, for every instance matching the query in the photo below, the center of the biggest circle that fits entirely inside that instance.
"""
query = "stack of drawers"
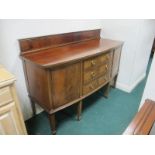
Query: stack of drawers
(96, 72)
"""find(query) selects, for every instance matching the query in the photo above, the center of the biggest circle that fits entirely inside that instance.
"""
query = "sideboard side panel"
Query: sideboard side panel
(38, 85)
(116, 61)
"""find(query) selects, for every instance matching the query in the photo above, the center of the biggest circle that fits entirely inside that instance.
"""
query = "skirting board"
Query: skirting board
(128, 88)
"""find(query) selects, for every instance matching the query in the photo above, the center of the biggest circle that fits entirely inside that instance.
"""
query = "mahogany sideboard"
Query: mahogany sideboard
(63, 69)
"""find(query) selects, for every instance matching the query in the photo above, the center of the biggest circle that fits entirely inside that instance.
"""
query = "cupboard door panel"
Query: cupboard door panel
(9, 120)
(66, 83)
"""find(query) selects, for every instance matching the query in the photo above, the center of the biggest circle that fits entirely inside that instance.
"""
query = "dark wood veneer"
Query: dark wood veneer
(64, 82)
(72, 52)
(63, 69)
(37, 43)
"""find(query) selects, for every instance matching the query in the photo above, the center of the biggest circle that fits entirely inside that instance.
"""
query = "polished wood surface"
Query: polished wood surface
(37, 43)
(69, 53)
(11, 119)
(63, 75)
(143, 121)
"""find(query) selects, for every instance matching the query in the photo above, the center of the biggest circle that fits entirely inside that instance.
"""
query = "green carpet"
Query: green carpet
(100, 116)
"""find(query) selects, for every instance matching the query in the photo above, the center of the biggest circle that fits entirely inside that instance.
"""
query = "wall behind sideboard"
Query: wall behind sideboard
(149, 91)
(12, 30)
(138, 37)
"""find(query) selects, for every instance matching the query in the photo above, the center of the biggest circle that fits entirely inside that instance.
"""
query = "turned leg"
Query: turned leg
(33, 106)
(52, 123)
(107, 89)
(79, 110)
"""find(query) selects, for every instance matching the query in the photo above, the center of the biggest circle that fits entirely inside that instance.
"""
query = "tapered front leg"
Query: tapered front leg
(52, 123)
(107, 89)
(79, 110)
(33, 106)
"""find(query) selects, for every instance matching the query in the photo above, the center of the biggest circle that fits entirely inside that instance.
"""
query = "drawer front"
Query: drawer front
(94, 73)
(90, 87)
(103, 79)
(95, 84)
(93, 62)
(104, 58)
(5, 96)
(104, 69)
(89, 76)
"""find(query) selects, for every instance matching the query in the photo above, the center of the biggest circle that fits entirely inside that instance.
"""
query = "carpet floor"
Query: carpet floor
(100, 116)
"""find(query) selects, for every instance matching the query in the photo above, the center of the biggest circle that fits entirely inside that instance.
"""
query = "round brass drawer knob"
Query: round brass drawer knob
(92, 74)
(106, 67)
(93, 62)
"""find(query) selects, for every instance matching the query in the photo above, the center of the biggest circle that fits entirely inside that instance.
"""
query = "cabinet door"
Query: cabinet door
(66, 83)
(9, 120)
(116, 61)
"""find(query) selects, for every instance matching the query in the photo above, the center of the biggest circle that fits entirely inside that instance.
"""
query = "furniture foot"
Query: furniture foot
(107, 89)
(79, 109)
(52, 123)
(33, 106)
